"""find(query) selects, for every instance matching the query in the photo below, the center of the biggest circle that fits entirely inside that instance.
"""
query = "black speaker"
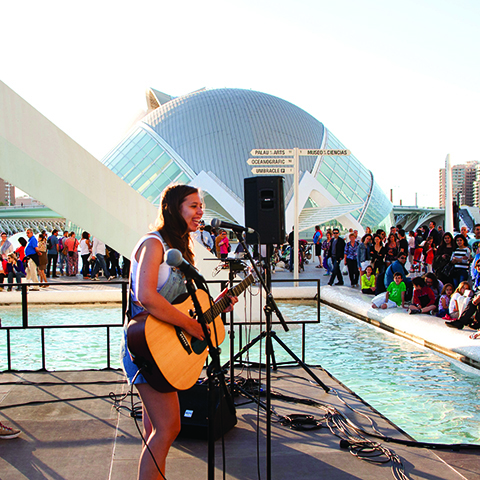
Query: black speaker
(265, 208)
(194, 412)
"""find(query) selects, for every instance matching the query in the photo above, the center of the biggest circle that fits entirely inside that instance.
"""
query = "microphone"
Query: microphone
(174, 258)
(217, 223)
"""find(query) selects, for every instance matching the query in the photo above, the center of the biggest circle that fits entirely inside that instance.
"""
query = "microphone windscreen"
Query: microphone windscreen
(215, 222)
(173, 257)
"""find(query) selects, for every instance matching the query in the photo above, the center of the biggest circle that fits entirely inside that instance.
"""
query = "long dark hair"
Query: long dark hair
(171, 224)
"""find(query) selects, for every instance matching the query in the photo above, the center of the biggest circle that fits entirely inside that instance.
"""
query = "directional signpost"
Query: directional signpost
(284, 161)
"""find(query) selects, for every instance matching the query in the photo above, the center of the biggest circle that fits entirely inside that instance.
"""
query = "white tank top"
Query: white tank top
(163, 271)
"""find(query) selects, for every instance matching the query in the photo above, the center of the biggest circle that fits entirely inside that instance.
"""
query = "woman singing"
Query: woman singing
(154, 286)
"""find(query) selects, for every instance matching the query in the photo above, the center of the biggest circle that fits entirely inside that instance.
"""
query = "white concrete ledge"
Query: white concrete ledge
(425, 330)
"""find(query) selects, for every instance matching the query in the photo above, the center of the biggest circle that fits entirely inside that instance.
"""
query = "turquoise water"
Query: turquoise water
(65, 349)
(431, 397)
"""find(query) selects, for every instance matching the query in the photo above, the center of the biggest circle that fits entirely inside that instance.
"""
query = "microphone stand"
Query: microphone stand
(214, 372)
(270, 308)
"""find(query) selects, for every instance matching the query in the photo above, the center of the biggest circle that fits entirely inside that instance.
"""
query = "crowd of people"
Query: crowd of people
(43, 256)
(443, 278)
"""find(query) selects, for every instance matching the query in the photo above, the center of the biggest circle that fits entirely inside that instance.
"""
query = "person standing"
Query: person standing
(351, 261)
(154, 286)
(6, 246)
(72, 245)
(42, 258)
(327, 261)
(291, 238)
(224, 245)
(461, 260)
(52, 253)
(63, 254)
(474, 242)
(203, 237)
(336, 253)
(434, 233)
(85, 251)
(98, 254)
(317, 240)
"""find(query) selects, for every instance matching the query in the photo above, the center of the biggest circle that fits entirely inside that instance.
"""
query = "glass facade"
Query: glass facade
(348, 181)
(145, 165)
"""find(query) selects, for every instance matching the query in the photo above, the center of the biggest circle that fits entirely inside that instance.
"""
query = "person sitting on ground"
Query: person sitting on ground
(434, 284)
(470, 313)
(456, 301)
(15, 268)
(394, 296)
(398, 266)
(444, 302)
(368, 281)
(423, 297)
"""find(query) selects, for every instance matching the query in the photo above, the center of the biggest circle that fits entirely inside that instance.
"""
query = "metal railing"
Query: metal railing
(124, 292)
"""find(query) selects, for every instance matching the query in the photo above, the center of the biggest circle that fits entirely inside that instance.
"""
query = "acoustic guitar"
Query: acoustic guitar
(171, 358)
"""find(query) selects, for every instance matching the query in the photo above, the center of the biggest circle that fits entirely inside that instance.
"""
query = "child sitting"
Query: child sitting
(395, 295)
(368, 281)
(444, 301)
(423, 298)
(456, 301)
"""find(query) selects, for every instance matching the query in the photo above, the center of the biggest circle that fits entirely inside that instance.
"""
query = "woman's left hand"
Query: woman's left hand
(233, 300)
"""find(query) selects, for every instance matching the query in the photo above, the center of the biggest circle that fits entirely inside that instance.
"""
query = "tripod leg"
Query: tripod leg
(271, 352)
(247, 347)
(302, 364)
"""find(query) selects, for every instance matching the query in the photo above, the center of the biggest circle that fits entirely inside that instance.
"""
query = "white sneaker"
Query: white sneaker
(7, 433)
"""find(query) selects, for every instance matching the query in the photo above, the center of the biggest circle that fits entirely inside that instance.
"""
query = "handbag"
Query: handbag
(447, 270)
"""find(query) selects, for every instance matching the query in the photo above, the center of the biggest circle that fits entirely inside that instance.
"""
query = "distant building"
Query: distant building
(26, 201)
(465, 184)
(7, 193)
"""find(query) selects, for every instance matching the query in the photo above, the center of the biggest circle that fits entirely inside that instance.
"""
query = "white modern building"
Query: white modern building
(205, 138)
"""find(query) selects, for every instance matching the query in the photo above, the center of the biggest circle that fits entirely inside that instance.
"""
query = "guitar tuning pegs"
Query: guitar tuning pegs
(191, 313)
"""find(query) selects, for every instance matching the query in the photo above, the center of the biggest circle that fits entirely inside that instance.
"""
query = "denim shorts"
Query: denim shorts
(128, 366)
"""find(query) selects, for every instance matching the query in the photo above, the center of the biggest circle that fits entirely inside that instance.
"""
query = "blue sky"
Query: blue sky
(397, 83)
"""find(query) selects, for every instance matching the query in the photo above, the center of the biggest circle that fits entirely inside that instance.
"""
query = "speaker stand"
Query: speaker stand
(268, 334)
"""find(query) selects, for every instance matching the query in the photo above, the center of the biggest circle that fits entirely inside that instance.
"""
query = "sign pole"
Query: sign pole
(296, 229)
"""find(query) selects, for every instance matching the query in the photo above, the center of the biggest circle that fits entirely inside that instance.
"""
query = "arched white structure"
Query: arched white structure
(39, 158)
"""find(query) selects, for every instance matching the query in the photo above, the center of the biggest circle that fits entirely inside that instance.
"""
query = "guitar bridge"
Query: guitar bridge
(183, 340)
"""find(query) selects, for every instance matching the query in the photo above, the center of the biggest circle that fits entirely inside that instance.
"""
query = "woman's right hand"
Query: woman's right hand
(194, 329)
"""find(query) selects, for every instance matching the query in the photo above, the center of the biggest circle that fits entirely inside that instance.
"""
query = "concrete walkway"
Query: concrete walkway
(72, 431)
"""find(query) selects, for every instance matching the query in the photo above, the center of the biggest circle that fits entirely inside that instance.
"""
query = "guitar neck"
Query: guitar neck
(223, 303)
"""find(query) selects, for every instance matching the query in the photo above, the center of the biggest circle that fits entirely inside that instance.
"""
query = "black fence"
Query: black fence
(227, 318)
